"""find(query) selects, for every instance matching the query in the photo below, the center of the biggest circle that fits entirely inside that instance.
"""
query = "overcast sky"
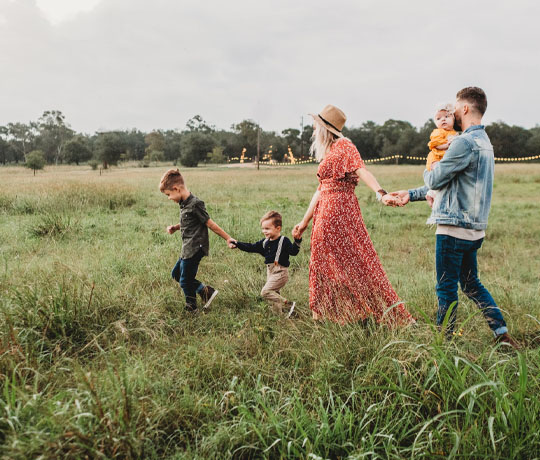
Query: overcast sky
(115, 64)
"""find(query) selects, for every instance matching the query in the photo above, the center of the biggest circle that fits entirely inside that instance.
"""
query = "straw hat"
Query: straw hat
(332, 118)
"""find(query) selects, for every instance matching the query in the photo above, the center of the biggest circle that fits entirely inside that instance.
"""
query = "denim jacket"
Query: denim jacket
(464, 180)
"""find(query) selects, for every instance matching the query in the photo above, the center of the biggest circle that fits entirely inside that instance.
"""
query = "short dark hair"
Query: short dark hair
(274, 216)
(474, 96)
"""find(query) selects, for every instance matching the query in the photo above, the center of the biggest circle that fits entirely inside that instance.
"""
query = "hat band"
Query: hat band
(328, 123)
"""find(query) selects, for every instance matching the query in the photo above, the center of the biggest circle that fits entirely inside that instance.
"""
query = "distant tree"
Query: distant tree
(508, 141)
(6, 151)
(155, 156)
(155, 142)
(109, 148)
(230, 142)
(216, 155)
(533, 143)
(305, 140)
(78, 149)
(173, 145)
(199, 125)
(35, 160)
(277, 144)
(135, 144)
(394, 136)
(54, 133)
(292, 139)
(365, 139)
(195, 147)
(426, 130)
(22, 138)
(247, 131)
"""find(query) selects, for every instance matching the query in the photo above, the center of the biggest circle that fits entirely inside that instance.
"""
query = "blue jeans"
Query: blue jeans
(456, 261)
(184, 272)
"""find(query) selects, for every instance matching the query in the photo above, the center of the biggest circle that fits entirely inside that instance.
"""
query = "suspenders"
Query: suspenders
(278, 252)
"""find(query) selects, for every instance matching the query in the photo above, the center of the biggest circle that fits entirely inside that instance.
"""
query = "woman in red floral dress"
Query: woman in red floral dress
(346, 279)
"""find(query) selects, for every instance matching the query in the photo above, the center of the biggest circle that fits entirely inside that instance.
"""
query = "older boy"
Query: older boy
(194, 225)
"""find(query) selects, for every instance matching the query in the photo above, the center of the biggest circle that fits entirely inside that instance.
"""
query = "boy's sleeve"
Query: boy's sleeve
(293, 248)
(199, 210)
(251, 247)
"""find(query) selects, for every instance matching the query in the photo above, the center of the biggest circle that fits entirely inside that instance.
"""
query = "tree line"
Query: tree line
(51, 140)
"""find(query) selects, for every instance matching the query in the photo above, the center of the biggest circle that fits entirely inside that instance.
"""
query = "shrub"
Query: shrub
(35, 160)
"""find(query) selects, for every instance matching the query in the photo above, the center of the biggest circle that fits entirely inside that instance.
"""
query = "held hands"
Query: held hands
(171, 229)
(298, 230)
(391, 200)
(231, 242)
(401, 195)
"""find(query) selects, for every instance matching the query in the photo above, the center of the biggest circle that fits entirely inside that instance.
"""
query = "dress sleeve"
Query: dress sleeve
(350, 159)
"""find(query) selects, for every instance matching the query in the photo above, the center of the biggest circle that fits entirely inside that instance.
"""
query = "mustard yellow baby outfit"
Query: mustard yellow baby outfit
(438, 137)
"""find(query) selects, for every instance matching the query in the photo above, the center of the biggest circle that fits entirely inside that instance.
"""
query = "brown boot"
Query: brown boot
(505, 338)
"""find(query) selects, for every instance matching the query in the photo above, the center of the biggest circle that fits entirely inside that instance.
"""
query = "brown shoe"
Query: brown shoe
(505, 338)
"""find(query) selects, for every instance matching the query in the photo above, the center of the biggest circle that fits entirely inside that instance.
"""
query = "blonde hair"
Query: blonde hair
(274, 216)
(446, 107)
(322, 139)
(170, 178)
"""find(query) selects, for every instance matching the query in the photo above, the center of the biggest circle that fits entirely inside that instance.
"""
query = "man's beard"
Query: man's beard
(457, 124)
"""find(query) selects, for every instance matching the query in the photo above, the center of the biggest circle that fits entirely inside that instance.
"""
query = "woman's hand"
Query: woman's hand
(391, 200)
(299, 229)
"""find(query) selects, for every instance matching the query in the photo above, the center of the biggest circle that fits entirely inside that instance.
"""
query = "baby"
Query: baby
(441, 137)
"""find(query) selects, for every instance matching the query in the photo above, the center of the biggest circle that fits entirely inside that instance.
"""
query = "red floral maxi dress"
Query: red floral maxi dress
(346, 279)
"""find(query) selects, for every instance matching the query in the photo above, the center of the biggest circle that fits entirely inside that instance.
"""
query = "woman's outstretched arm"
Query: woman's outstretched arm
(301, 227)
(370, 180)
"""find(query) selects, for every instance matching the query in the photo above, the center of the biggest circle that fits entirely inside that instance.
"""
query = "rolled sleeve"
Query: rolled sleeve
(418, 194)
(199, 210)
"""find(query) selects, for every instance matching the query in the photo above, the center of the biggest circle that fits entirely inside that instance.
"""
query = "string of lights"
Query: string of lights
(379, 160)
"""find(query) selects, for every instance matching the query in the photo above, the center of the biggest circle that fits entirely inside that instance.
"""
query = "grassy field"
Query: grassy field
(99, 360)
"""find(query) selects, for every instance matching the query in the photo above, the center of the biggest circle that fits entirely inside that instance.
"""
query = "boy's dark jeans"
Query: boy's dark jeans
(456, 261)
(184, 272)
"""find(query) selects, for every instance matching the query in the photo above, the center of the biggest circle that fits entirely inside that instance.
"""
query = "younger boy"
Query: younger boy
(276, 250)
(194, 225)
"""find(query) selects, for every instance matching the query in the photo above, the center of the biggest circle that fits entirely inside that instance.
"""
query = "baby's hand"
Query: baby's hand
(430, 200)
(231, 243)
(171, 229)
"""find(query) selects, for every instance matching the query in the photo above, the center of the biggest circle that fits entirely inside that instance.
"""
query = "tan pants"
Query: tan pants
(276, 277)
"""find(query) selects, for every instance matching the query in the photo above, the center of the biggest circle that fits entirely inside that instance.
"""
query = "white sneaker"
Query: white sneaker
(291, 311)
(207, 295)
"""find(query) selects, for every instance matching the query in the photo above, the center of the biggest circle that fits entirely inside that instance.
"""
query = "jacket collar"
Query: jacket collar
(473, 128)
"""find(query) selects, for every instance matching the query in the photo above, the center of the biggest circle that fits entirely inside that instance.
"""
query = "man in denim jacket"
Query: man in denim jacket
(464, 178)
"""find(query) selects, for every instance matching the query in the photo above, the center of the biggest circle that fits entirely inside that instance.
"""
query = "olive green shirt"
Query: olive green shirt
(193, 219)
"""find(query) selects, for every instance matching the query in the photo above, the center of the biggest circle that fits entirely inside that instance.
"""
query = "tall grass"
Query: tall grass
(98, 358)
